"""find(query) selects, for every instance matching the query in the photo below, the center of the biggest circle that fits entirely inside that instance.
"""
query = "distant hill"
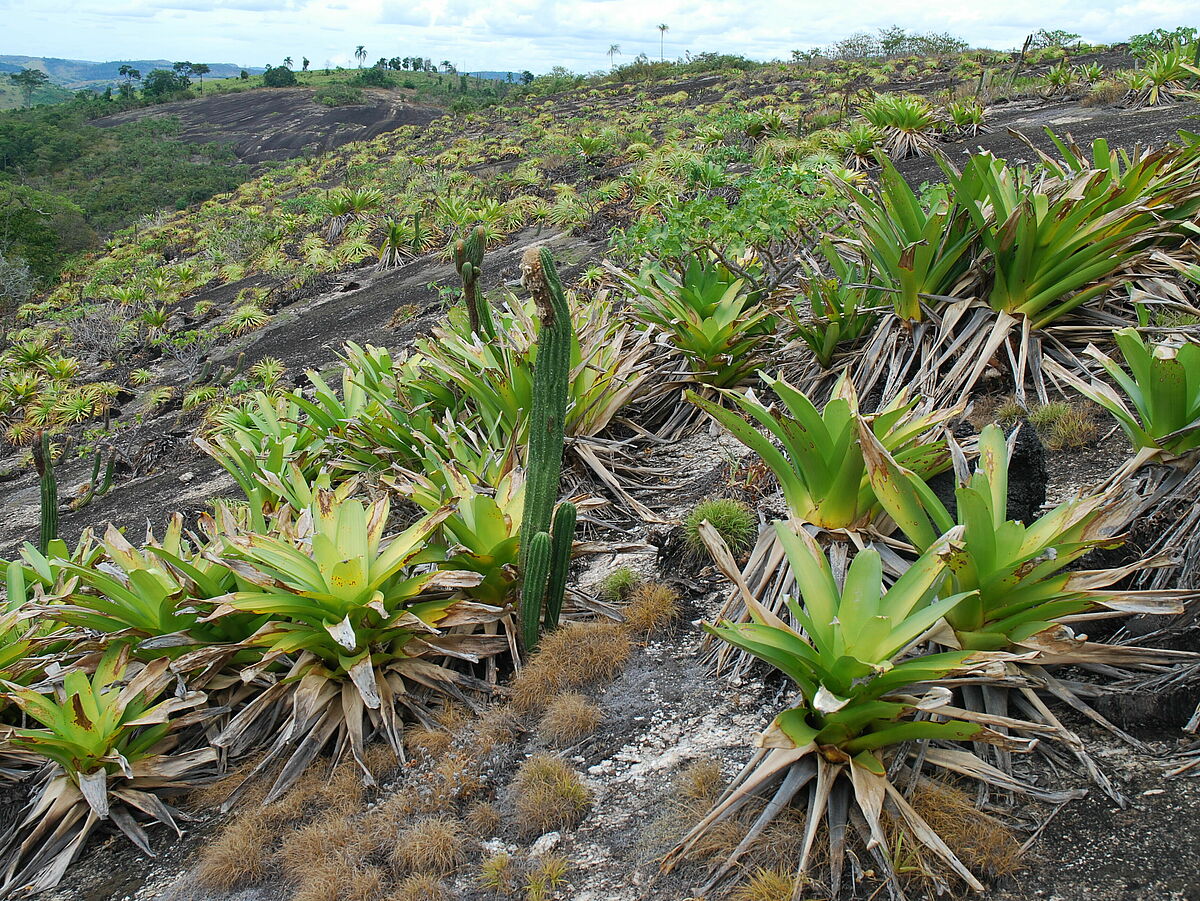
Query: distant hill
(81, 73)
(12, 98)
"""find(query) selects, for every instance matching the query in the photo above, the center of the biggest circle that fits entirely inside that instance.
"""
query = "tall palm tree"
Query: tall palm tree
(360, 53)
(662, 37)
(613, 50)
(287, 61)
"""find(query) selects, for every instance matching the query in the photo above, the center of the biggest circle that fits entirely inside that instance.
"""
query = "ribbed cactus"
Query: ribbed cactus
(468, 260)
(544, 531)
(43, 461)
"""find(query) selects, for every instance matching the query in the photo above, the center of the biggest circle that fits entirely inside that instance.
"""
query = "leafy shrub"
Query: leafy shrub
(339, 94)
(374, 77)
(279, 77)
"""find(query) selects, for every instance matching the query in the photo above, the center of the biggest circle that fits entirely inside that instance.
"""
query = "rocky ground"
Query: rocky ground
(283, 123)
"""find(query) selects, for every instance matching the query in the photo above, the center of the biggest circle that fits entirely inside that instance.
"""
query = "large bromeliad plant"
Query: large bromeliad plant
(358, 625)
(866, 705)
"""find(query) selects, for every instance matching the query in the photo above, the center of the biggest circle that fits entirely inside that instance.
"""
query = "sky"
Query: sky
(532, 34)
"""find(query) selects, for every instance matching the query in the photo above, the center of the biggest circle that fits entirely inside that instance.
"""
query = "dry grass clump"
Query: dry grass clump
(549, 795)
(419, 887)
(569, 718)
(483, 818)
(980, 841)
(335, 879)
(651, 608)
(436, 845)
(700, 780)
(427, 744)
(576, 655)
(326, 838)
(766, 885)
(240, 854)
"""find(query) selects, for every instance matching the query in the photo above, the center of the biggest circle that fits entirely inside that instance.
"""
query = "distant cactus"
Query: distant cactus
(43, 461)
(546, 534)
(468, 260)
(98, 487)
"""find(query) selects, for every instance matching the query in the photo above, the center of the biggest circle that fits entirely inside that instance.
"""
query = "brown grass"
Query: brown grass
(334, 879)
(652, 608)
(483, 818)
(577, 655)
(240, 854)
(700, 780)
(549, 795)
(419, 887)
(980, 841)
(436, 845)
(569, 718)
(427, 744)
(302, 848)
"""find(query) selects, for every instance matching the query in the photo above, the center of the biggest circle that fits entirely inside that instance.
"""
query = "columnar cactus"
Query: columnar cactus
(468, 260)
(43, 461)
(546, 533)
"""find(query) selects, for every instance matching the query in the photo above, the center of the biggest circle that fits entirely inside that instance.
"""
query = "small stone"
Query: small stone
(545, 844)
(186, 477)
(1153, 791)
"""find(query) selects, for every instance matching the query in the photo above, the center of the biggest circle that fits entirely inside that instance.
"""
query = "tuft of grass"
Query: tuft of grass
(619, 584)
(419, 887)
(427, 744)
(980, 841)
(733, 519)
(1063, 425)
(302, 849)
(240, 855)
(549, 795)
(700, 780)
(498, 874)
(435, 845)
(766, 885)
(483, 818)
(569, 718)
(653, 607)
(574, 656)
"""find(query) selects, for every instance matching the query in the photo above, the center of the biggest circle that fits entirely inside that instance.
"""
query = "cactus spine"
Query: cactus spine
(545, 531)
(468, 260)
(43, 461)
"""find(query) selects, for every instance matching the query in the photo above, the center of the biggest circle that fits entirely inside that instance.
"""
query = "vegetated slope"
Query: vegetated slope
(281, 123)
(282, 271)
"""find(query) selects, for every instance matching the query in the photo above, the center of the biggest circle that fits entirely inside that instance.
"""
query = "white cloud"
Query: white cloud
(533, 34)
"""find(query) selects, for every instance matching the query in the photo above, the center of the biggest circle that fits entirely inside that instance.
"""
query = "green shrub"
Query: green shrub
(734, 520)
(340, 94)
(279, 77)
(619, 584)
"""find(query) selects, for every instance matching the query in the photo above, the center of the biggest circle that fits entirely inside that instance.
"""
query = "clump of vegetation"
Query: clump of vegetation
(619, 584)
(548, 795)
(339, 94)
(651, 608)
(1063, 425)
(569, 718)
(436, 845)
(573, 656)
(733, 520)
